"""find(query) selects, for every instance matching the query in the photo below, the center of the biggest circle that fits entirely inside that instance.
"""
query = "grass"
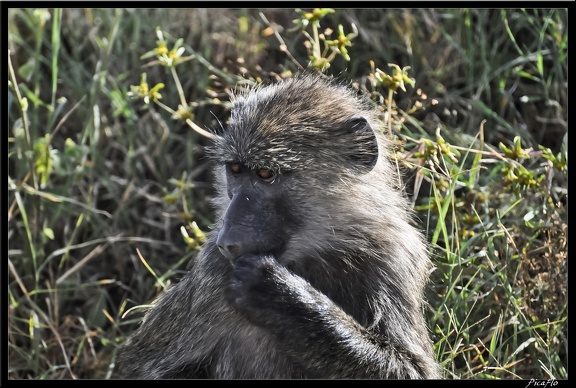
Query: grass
(109, 196)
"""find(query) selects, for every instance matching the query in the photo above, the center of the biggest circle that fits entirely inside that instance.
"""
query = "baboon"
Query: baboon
(313, 269)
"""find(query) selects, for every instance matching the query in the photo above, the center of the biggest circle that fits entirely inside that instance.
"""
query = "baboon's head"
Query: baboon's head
(285, 147)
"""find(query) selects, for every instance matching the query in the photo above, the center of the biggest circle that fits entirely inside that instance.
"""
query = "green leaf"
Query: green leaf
(48, 232)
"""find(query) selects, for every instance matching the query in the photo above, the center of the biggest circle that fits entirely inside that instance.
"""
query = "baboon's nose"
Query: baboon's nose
(230, 251)
(230, 244)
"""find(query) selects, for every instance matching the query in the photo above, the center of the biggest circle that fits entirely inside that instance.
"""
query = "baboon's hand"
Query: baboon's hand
(255, 283)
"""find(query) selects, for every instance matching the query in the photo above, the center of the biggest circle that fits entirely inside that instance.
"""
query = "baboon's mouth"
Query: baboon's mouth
(279, 253)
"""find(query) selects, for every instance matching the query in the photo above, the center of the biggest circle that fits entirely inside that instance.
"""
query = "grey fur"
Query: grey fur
(343, 299)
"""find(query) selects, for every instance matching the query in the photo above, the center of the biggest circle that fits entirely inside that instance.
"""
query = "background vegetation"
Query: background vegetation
(109, 193)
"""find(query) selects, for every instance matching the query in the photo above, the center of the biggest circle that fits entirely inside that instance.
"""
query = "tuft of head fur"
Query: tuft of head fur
(279, 126)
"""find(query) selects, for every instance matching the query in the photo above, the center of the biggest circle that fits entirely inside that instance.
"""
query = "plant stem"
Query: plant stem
(23, 107)
(179, 87)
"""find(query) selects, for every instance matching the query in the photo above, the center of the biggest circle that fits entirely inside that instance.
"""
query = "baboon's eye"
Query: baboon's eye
(265, 174)
(235, 167)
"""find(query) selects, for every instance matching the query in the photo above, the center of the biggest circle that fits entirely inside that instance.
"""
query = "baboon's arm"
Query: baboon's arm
(316, 332)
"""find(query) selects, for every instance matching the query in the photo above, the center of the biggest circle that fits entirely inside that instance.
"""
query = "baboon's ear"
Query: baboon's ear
(364, 153)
